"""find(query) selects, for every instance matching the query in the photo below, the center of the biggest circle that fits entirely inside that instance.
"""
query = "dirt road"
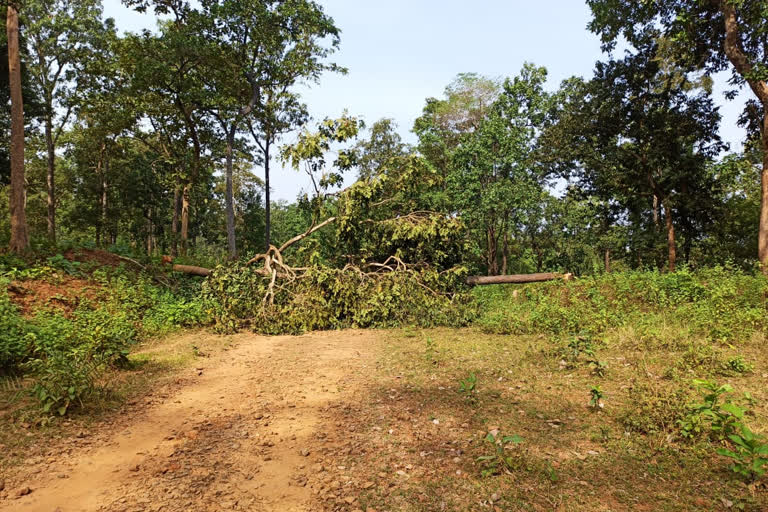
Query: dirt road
(249, 433)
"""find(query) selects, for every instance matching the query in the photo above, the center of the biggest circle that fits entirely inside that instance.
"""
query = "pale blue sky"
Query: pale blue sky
(400, 52)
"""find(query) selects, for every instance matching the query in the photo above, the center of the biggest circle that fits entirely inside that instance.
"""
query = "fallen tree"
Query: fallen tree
(517, 279)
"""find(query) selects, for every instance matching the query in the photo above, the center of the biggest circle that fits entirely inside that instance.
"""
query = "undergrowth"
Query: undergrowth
(68, 352)
(720, 305)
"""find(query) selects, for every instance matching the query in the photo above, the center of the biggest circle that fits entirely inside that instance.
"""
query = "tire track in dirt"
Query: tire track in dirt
(241, 437)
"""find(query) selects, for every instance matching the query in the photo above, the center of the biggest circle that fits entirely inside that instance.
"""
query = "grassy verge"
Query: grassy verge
(426, 421)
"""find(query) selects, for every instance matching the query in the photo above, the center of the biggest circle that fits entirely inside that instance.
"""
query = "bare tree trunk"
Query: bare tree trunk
(656, 211)
(516, 279)
(267, 205)
(105, 193)
(607, 261)
(18, 193)
(175, 222)
(185, 218)
(50, 180)
(150, 228)
(491, 255)
(99, 173)
(671, 244)
(505, 253)
(762, 242)
(734, 49)
(539, 259)
(229, 197)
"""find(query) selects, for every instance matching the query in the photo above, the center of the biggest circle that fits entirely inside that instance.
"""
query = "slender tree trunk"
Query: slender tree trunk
(105, 194)
(671, 244)
(102, 222)
(656, 211)
(539, 259)
(607, 261)
(492, 256)
(762, 242)
(194, 173)
(229, 197)
(505, 254)
(175, 222)
(150, 228)
(51, 177)
(18, 190)
(267, 203)
(185, 218)
(99, 172)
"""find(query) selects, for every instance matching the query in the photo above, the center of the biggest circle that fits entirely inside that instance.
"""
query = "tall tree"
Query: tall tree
(302, 38)
(702, 34)
(640, 133)
(165, 70)
(382, 147)
(481, 138)
(19, 237)
(61, 35)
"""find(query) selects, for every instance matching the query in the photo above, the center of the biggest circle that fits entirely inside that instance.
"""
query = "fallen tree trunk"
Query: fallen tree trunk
(195, 271)
(517, 279)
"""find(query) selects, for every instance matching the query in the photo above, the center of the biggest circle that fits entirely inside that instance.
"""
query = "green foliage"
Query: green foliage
(716, 416)
(67, 352)
(65, 378)
(59, 262)
(652, 409)
(736, 366)
(468, 385)
(723, 421)
(14, 341)
(596, 396)
(500, 460)
(718, 304)
(749, 453)
(327, 298)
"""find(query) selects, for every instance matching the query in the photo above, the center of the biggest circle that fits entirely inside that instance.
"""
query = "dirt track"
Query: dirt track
(246, 434)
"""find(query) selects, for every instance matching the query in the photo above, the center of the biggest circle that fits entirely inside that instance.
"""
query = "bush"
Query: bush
(66, 377)
(67, 352)
(14, 343)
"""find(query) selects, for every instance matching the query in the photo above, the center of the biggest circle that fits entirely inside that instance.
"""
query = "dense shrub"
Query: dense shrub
(14, 345)
(67, 351)
(328, 298)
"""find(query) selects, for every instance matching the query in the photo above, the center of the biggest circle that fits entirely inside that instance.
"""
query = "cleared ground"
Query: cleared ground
(376, 420)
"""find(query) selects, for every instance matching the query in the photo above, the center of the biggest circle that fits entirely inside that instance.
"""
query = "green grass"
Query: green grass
(629, 454)
(537, 351)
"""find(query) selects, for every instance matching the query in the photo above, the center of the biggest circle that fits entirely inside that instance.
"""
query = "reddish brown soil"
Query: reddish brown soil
(62, 294)
(103, 258)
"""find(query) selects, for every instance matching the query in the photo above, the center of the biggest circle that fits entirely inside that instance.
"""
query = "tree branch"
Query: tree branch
(304, 235)
(736, 54)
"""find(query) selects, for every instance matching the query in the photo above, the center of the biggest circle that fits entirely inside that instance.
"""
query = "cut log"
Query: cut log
(517, 279)
(195, 271)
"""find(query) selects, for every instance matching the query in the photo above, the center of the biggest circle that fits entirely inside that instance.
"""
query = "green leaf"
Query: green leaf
(733, 409)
